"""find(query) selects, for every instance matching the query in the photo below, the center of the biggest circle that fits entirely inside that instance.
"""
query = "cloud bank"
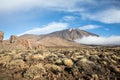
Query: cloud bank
(6, 5)
(107, 16)
(105, 11)
(92, 40)
(89, 27)
(51, 27)
(72, 5)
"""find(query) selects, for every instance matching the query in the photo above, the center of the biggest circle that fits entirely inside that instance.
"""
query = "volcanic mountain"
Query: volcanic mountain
(58, 38)
(70, 34)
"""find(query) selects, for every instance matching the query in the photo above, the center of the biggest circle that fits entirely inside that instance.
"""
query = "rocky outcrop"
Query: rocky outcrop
(1, 36)
(26, 43)
(19, 43)
(13, 39)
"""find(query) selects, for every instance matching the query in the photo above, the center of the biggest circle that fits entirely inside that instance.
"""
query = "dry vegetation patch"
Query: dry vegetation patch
(61, 64)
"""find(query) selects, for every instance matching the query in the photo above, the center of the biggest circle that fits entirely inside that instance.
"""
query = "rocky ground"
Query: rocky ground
(60, 64)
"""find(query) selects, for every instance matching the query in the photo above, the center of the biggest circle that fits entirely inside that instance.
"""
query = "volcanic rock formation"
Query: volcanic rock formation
(26, 43)
(1, 36)
(13, 39)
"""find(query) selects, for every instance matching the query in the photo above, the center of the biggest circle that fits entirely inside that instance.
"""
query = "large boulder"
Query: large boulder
(1, 36)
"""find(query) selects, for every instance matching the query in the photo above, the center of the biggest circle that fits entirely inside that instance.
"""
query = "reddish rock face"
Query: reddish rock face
(1, 36)
(13, 39)
(26, 43)
(16, 41)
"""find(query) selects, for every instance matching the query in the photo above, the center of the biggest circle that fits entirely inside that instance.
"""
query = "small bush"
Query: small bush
(53, 68)
(68, 62)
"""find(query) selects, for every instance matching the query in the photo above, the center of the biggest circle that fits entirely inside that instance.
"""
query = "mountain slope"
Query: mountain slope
(56, 41)
(29, 36)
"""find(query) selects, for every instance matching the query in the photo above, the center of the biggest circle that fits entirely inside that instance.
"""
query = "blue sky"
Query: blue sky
(20, 17)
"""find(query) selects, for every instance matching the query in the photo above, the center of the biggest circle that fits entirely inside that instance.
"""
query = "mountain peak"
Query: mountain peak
(71, 29)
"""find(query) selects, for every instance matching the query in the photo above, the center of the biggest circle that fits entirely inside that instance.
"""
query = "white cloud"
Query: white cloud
(51, 27)
(88, 27)
(68, 18)
(92, 40)
(6, 5)
(80, 6)
(107, 16)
